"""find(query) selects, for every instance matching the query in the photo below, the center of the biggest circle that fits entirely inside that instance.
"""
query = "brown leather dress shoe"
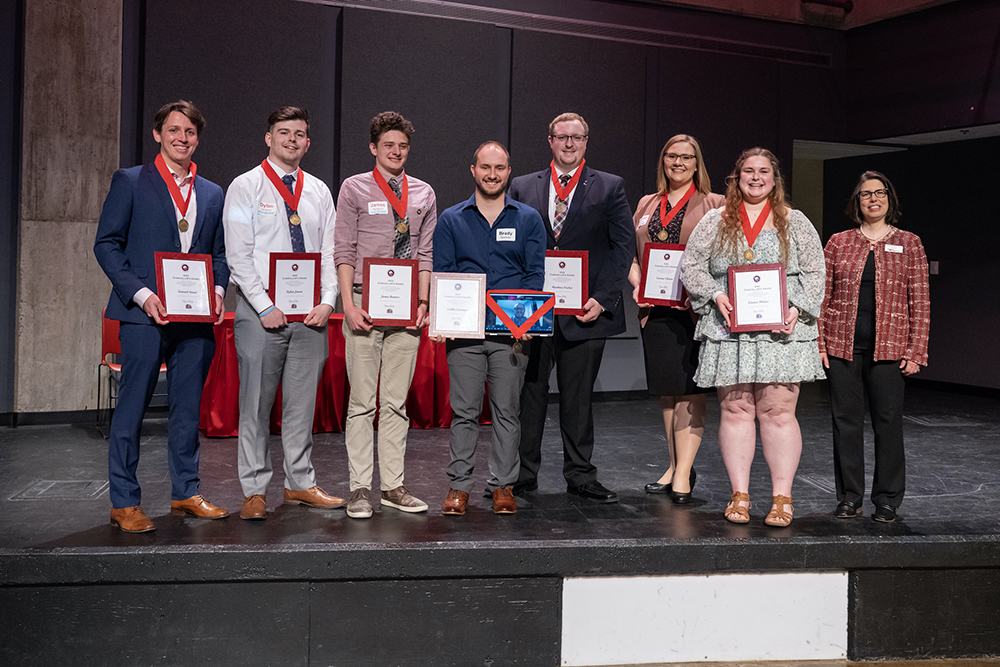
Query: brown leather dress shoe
(131, 520)
(254, 507)
(503, 501)
(455, 503)
(199, 507)
(314, 497)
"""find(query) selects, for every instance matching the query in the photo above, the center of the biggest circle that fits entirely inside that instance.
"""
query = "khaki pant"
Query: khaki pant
(393, 351)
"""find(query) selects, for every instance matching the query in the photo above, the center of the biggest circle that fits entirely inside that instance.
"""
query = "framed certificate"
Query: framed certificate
(660, 283)
(458, 305)
(759, 296)
(566, 276)
(294, 283)
(390, 291)
(186, 286)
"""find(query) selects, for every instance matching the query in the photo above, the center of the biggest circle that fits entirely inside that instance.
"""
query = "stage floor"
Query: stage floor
(53, 487)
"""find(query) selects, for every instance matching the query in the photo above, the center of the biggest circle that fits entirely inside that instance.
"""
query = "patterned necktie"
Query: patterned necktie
(401, 242)
(560, 218)
(298, 242)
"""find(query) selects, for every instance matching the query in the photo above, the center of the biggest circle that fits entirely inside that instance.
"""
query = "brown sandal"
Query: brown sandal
(736, 513)
(778, 517)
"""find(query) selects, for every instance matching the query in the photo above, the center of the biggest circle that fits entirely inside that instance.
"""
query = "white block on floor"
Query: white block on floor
(719, 617)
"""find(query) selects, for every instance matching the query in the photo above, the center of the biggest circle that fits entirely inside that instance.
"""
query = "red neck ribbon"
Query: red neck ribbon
(751, 231)
(175, 190)
(561, 192)
(291, 200)
(398, 203)
(515, 330)
(665, 217)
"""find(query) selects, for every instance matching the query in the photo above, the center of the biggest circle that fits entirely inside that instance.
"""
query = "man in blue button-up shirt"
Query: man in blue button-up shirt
(489, 233)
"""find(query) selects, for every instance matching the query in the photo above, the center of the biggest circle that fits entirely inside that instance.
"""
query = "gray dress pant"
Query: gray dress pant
(471, 364)
(293, 356)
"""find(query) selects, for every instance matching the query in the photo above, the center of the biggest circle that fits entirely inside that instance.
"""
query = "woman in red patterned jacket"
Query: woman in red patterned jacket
(873, 332)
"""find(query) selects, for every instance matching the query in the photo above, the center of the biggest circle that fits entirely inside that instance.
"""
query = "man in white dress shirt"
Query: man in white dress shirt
(277, 207)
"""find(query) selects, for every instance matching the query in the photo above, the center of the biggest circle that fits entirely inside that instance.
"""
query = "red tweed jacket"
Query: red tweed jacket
(902, 296)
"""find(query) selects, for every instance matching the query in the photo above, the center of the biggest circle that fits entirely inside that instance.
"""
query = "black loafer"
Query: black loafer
(885, 513)
(661, 489)
(593, 490)
(847, 510)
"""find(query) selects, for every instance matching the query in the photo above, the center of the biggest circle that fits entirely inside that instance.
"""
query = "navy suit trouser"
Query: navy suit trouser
(187, 348)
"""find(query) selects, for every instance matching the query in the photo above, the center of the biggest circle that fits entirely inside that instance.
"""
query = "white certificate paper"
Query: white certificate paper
(458, 305)
(390, 291)
(294, 286)
(564, 276)
(185, 288)
(759, 300)
(663, 277)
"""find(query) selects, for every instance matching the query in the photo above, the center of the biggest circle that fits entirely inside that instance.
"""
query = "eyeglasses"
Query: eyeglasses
(675, 157)
(563, 138)
(868, 194)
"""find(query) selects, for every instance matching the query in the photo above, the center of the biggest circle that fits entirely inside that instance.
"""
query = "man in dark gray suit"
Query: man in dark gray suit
(583, 209)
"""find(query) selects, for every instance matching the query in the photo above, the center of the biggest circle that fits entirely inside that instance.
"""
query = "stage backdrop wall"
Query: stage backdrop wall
(958, 229)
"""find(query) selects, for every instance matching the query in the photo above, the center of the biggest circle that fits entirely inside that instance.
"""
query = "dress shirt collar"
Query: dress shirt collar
(389, 177)
(560, 172)
(471, 202)
(281, 172)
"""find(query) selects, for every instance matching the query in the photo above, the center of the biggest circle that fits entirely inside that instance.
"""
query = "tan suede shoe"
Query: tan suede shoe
(199, 507)
(314, 497)
(131, 520)
(254, 507)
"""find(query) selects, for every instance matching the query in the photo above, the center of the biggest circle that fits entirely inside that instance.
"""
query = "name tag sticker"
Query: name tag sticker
(506, 234)
(378, 207)
(643, 220)
(266, 208)
(893, 248)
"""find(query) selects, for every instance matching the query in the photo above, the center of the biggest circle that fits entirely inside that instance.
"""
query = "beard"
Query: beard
(498, 192)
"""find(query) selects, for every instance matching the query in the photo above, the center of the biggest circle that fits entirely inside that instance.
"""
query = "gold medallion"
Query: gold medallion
(402, 227)
(748, 254)
(516, 347)
(295, 219)
(560, 207)
(182, 225)
(662, 235)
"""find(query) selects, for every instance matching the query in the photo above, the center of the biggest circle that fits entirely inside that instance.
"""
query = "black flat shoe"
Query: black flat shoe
(847, 510)
(656, 487)
(680, 498)
(885, 513)
(593, 490)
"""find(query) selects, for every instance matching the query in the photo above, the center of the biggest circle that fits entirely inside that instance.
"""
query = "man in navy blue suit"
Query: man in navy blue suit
(161, 206)
(583, 209)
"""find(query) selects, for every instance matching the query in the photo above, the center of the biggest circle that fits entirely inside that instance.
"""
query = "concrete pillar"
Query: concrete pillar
(72, 92)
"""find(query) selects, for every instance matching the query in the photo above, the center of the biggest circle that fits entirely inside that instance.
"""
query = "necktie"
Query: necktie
(562, 209)
(401, 242)
(298, 242)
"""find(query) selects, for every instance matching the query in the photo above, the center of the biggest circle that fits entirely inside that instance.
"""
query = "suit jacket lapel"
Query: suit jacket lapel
(579, 195)
(163, 194)
(542, 195)
(199, 193)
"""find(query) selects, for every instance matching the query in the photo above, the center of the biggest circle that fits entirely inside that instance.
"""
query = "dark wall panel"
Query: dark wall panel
(726, 102)
(238, 61)
(921, 614)
(11, 66)
(167, 624)
(447, 77)
(959, 232)
(456, 622)
(928, 71)
(602, 81)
